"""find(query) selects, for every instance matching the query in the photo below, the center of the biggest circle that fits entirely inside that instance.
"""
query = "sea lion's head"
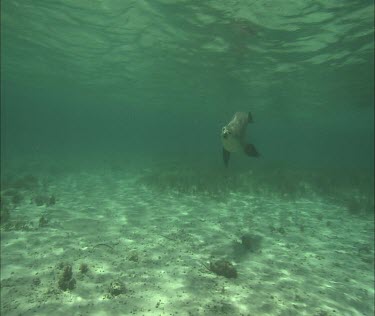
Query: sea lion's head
(226, 132)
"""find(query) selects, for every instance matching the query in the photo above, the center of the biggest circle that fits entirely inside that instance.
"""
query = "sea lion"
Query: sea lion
(233, 137)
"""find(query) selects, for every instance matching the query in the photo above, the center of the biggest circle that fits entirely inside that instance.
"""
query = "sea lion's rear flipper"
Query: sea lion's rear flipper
(226, 155)
(251, 151)
(249, 118)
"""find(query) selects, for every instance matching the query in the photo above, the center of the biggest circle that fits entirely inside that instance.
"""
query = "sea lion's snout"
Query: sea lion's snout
(225, 132)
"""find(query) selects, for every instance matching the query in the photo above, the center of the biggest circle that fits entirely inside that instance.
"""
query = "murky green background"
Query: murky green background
(158, 79)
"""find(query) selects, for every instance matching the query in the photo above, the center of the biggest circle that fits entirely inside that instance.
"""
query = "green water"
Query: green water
(148, 85)
(165, 76)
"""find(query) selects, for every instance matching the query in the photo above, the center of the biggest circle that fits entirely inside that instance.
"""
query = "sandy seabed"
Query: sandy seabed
(150, 252)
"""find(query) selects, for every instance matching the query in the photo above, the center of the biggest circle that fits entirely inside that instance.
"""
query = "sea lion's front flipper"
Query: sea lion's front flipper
(226, 155)
(249, 118)
(251, 151)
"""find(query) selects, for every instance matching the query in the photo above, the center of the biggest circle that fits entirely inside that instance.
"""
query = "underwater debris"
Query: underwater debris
(66, 280)
(222, 267)
(116, 288)
(103, 244)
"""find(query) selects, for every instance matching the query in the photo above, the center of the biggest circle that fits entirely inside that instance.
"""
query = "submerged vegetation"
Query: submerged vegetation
(19, 190)
(66, 280)
(222, 267)
(351, 189)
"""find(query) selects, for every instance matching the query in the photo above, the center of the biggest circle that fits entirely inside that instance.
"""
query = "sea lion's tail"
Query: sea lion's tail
(249, 118)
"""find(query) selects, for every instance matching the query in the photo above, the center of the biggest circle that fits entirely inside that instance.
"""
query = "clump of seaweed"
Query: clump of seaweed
(116, 288)
(133, 256)
(222, 267)
(66, 280)
(251, 242)
(83, 268)
(43, 221)
(18, 225)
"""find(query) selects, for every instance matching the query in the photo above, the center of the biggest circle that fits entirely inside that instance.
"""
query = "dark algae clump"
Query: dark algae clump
(116, 288)
(251, 242)
(223, 267)
(66, 280)
(84, 268)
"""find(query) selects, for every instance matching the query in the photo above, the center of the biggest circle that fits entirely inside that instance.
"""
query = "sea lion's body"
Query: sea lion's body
(233, 137)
